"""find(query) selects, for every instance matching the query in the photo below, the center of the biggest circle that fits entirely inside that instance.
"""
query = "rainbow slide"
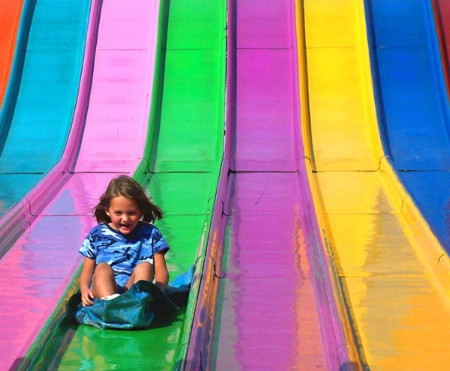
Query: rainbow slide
(281, 138)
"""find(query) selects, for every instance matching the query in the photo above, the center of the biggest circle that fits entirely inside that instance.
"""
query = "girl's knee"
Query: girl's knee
(103, 268)
(103, 283)
(143, 271)
(144, 267)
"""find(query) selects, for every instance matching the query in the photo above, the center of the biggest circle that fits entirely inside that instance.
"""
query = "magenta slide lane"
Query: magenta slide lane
(270, 303)
(113, 107)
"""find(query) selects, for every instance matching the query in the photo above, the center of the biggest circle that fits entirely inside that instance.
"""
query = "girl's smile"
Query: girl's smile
(124, 214)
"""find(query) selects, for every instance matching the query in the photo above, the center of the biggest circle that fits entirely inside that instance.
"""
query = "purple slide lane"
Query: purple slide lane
(270, 300)
(114, 103)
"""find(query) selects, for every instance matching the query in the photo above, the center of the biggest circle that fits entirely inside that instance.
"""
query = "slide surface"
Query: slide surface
(45, 259)
(183, 156)
(267, 286)
(261, 242)
(389, 288)
(40, 99)
(415, 106)
(259, 307)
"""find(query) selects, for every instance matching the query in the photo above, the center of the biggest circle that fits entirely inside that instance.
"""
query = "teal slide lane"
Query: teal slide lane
(37, 114)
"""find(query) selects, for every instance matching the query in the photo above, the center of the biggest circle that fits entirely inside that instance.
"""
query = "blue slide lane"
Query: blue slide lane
(412, 104)
(37, 114)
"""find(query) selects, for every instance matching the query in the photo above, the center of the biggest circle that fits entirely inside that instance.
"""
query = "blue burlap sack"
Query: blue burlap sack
(135, 309)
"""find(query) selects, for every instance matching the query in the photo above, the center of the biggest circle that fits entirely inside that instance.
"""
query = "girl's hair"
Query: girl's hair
(126, 186)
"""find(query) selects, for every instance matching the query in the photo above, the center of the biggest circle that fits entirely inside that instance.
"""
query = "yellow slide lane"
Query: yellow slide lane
(398, 312)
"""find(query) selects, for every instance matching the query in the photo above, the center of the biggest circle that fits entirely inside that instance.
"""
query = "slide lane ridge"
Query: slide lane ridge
(44, 261)
(265, 269)
(373, 232)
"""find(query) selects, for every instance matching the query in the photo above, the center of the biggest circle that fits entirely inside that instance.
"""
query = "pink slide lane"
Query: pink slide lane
(274, 300)
(113, 107)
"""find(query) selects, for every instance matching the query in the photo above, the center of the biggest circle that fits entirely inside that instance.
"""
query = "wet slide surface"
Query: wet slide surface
(185, 152)
(44, 260)
(191, 128)
(266, 314)
(39, 103)
(389, 288)
(377, 258)
(416, 119)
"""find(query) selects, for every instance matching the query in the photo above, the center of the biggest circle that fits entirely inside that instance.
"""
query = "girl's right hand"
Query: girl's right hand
(85, 281)
(86, 297)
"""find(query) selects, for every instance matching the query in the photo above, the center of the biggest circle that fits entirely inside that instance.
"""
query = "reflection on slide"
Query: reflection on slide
(378, 258)
(258, 248)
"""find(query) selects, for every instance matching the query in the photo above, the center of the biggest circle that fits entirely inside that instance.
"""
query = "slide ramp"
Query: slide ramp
(39, 102)
(266, 284)
(187, 116)
(266, 299)
(44, 260)
(414, 107)
(376, 253)
(373, 231)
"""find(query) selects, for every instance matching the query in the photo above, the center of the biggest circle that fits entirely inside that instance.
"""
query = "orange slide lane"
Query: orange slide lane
(10, 11)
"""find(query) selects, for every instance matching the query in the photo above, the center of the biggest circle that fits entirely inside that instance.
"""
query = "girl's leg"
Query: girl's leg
(143, 271)
(103, 283)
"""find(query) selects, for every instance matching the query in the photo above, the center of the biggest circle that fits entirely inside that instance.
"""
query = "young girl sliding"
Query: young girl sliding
(124, 247)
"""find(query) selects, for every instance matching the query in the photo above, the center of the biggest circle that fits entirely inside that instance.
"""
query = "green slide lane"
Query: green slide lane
(180, 169)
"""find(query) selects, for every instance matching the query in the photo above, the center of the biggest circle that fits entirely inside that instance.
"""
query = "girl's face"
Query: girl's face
(124, 214)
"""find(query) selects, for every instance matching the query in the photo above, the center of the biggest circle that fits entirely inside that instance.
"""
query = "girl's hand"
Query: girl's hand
(85, 281)
(86, 297)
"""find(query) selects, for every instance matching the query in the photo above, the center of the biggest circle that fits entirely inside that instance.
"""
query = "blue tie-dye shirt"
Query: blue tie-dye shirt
(123, 252)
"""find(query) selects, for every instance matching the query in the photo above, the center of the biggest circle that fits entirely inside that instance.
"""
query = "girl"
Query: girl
(124, 247)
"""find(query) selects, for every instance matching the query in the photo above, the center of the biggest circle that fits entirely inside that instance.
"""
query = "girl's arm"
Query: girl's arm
(85, 281)
(161, 272)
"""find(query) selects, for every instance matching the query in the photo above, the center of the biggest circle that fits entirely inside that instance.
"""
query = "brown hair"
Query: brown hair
(127, 187)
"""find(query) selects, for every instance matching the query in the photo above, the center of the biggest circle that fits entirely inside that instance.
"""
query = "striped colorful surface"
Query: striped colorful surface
(377, 246)
(37, 111)
(316, 204)
(44, 260)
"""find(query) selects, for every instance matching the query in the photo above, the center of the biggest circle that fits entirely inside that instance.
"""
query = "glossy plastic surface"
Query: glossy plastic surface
(186, 116)
(417, 119)
(185, 153)
(44, 260)
(266, 267)
(260, 306)
(371, 233)
(412, 88)
(368, 223)
(37, 113)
